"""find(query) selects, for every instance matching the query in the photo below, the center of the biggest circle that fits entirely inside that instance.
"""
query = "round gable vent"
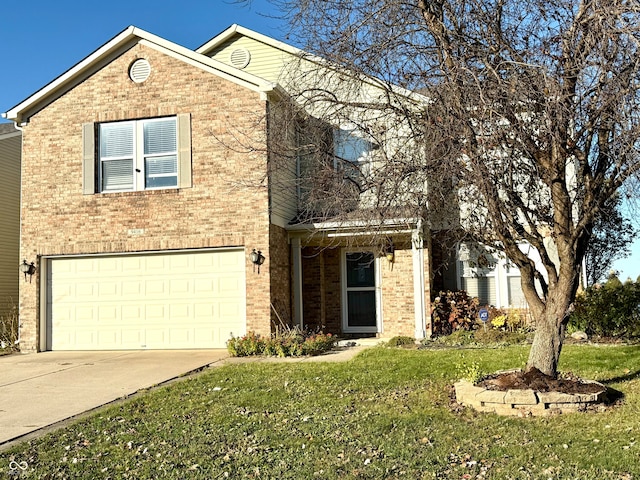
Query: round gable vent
(139, 70)
(240, 57)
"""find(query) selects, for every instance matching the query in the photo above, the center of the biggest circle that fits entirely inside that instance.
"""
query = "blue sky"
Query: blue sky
(41, 39)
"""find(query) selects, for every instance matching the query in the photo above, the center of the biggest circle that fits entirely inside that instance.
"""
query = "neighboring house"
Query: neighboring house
(148, 182)
(10, 140)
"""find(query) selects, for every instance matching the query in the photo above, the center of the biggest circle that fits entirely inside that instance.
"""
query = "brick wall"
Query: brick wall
(333, 286)
(223, 208)
(280, 272)
(322, 290)
(397, 294)
(313, 293)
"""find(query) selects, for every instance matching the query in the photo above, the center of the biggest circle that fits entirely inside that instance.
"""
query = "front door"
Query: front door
(359, 288)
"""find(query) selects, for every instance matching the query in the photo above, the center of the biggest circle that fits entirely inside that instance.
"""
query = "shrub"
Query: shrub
(511, 320)
(610, 310)
(475, 338)
(453, 311)
(492, 336)
(318, 343)
(9, 328)
(249, 344)
(401, 341)
(470, 372)
(458, 338)
(284, 342)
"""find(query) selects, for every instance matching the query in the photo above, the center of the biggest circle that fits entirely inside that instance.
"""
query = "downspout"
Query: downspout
(19, 128)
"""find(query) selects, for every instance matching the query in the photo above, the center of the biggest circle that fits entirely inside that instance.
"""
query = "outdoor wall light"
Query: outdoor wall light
(257, 259)
(27, 269)
(390, 251)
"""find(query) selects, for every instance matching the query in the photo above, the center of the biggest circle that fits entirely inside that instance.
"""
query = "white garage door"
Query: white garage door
(156, 301)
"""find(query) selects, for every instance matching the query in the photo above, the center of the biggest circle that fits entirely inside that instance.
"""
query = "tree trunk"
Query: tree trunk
(547, 344)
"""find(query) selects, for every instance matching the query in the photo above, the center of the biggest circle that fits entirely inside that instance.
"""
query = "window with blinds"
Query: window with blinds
(138, 155)
(482, 287)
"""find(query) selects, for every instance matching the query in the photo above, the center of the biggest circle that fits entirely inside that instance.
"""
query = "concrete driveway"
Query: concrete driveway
(38, 390)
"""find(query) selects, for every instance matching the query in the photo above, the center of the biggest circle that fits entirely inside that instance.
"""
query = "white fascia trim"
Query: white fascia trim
(235, 28)
(238, 29)
(209, 65)
(127, 38)
(121, 39)
(365, 233)
(354, 224)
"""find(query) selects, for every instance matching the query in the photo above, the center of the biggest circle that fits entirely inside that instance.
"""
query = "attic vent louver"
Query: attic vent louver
(240, 57)
(139, 70)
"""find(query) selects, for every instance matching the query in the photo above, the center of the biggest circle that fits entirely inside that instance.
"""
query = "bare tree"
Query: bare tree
(530, 115)
(610, 240)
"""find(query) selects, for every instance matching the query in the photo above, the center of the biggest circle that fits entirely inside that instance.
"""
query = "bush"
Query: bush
(9, 329)
(480, 337)
(471, 372)
(511, 320)
(401, 341)
(284, 342)
(609, 310)
(249, 344)
(458, 338)
(492, 336)
(453, 311)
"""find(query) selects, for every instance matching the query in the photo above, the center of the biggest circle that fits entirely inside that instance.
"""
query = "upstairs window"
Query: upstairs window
(137, 155)
(351, 152)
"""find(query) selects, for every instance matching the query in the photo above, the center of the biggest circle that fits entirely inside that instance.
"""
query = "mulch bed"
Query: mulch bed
(534, 379)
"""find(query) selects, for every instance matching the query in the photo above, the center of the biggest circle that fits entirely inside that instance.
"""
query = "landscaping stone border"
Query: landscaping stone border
(524, 403)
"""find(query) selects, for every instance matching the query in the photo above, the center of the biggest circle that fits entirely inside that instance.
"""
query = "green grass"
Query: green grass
(386, 414)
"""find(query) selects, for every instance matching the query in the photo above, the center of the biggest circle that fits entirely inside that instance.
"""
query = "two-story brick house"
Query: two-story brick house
(148, 183)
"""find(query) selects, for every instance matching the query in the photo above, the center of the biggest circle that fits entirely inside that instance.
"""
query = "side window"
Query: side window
(478, 272)
(351, 152)
(137, 155)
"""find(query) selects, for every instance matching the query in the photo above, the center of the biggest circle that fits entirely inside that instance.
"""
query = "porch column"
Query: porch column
(417, 250)
(296, 253)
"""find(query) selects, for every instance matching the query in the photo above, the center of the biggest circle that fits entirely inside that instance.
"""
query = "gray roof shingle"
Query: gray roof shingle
(7, 128)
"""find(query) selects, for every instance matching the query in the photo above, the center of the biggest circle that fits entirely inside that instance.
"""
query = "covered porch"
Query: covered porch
(351, 280)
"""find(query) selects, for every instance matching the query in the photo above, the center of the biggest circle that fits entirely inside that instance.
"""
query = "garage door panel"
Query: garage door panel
(109, 314)
(131, 289)
(228, 285)
(108, 290)
(183, 300)
(83, 291)
(129, 339)
(180, 286)
(108, 337)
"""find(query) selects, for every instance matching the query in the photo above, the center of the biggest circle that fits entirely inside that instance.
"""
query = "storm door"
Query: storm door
(359, 288)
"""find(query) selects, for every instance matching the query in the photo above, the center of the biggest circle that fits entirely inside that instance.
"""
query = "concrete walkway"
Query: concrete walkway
(39, 390)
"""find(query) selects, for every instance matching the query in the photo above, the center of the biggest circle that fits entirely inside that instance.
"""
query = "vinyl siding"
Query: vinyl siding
(282, 164)
(9, 218)
(266, 61)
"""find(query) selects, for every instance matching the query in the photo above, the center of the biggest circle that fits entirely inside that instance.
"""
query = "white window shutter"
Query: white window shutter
(88, 159)
(184, 150)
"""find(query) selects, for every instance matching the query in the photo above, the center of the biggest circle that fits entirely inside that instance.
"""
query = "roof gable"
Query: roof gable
(235, 30)
(276, 57)
(115, 47)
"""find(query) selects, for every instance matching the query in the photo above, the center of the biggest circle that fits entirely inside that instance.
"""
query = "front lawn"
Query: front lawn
(385, 414)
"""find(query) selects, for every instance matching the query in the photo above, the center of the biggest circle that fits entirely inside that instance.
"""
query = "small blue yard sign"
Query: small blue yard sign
(483, 314)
